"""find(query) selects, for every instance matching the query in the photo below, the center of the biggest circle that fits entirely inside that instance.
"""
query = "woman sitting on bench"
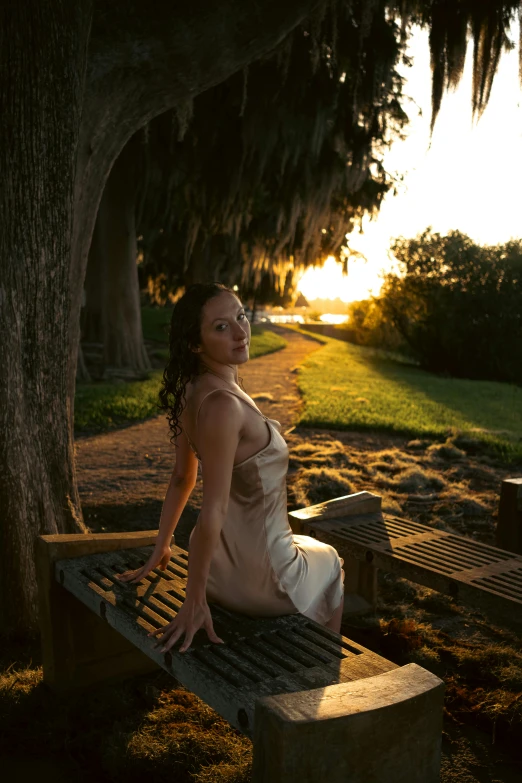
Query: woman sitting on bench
(242, 554)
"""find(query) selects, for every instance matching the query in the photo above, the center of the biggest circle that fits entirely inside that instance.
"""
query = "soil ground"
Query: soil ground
(123, 476)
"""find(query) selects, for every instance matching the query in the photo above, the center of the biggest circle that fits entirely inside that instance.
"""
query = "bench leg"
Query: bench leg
(384, 729)
(360, 587)
(78, 647)
(509, 523)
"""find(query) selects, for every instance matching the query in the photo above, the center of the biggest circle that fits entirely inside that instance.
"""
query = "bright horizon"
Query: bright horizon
(466, 179)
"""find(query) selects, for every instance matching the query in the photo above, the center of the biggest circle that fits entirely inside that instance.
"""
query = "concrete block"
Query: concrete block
(381, 729)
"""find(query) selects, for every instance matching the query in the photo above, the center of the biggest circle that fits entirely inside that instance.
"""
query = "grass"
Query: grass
(142, 728)
(264, 341)
(350, 387)
(100, 407)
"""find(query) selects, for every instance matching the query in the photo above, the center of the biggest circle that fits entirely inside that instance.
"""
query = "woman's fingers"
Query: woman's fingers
(170, 640)
(127, 576)
(189, 635)
(185, 624)
(212, 635)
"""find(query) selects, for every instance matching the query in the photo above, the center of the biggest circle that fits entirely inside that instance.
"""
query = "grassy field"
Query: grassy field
(347, 386)
(103, 406)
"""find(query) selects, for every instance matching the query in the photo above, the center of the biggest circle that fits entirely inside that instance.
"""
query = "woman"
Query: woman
(243, 554)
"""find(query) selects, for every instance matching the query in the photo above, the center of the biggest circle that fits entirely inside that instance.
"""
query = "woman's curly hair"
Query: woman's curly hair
(185, 335)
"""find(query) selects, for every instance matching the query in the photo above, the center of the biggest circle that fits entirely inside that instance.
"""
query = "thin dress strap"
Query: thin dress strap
(230, 391)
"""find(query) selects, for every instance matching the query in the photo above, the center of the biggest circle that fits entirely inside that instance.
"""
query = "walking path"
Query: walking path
(123, 475)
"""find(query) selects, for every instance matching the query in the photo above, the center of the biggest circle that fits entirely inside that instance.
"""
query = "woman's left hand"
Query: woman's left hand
(192, 616)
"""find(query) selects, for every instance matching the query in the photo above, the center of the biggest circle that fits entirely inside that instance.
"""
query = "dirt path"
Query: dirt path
(123, 475)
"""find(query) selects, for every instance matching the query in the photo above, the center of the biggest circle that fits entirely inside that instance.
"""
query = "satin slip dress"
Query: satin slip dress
(259, 567)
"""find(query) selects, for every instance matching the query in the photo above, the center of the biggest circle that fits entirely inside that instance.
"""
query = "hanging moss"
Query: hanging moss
(276, 165)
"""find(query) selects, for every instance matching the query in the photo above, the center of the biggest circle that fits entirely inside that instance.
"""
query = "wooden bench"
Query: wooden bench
(482, 576)
(316, 704)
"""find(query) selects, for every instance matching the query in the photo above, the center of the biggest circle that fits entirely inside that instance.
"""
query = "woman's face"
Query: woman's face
(225, 330)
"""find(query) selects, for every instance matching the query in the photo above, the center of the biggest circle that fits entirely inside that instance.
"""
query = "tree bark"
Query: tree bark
(43, 45)
(65, 119)
(112, 313)
(92, 311)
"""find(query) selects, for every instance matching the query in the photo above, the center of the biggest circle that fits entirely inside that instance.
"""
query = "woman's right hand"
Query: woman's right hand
(159, 557)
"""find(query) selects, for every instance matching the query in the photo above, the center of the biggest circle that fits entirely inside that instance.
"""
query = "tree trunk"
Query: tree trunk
(112, 313)
(43, 51)
(92, 312)
(123, 344)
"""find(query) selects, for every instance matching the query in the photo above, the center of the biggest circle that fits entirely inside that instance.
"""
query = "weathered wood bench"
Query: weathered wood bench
(316, 704)
(482, 576)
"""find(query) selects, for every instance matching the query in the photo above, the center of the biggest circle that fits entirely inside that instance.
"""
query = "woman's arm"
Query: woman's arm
(219, 431)
(180, 486)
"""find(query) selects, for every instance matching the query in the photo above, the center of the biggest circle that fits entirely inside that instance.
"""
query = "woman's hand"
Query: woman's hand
(192, 616)
(159, 557)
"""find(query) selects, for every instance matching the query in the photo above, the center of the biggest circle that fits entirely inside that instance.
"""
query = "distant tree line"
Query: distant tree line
(455, 306)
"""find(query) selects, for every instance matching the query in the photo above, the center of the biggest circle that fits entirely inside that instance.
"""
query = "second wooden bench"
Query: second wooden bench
(482, 576)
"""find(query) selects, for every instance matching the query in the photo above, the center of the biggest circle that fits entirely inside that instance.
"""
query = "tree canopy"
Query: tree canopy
(269, 171)
(455, 306)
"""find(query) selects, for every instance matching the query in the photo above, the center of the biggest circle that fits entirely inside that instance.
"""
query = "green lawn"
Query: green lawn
(347, 386)
(104, 406)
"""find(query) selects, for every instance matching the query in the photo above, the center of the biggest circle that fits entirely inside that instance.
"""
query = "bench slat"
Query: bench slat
(260, 657)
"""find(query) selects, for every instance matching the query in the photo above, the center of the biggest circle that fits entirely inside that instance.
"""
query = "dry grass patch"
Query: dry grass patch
(446, 451)
(428, 485)
(327, 453)
(480, 663)
(417, 481)
(315, 485)
(146, 727)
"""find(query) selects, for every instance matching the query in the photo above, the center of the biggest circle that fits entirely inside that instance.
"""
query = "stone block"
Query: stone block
(381, 729)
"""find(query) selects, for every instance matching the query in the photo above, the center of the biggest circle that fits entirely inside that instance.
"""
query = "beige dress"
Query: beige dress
(259, 567)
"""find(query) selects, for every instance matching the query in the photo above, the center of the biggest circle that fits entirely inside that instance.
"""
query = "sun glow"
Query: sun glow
(328, 282)
(465, 177)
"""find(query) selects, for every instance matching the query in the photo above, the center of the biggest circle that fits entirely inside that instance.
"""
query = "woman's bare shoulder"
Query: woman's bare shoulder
(207, 394)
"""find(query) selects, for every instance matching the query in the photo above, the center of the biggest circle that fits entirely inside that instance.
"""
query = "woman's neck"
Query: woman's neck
(227, 372)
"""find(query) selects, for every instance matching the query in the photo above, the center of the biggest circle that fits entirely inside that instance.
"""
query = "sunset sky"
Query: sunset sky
(467, 179)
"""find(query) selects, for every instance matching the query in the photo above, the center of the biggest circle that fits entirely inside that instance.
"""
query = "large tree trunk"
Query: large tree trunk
(142, 61)
(112, 313)
(43, 52)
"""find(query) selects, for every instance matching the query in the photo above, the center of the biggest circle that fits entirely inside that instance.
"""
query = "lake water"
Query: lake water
(282, 318)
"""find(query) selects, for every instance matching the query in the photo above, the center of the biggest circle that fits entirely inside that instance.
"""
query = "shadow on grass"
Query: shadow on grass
(411, 401)
(477, 402)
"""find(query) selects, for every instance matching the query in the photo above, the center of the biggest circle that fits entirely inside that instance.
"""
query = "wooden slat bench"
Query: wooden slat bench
(477, 574)
(316, 704)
